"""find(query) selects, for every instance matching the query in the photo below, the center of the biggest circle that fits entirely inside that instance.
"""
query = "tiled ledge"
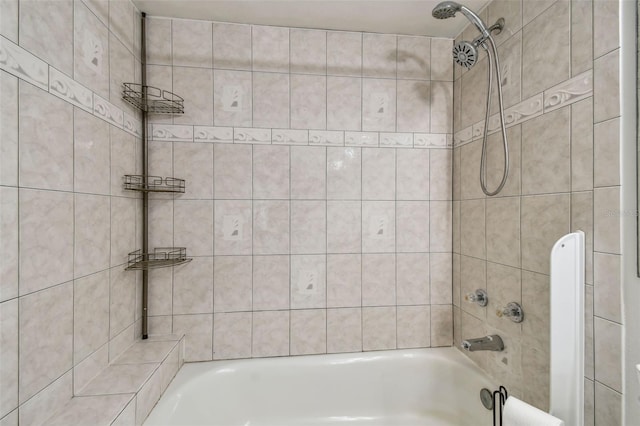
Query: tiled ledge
(258, 136)
(22, 64)
(566, 93)
(125, 392)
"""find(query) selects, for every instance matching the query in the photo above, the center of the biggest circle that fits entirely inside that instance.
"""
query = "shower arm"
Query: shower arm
(483, 171)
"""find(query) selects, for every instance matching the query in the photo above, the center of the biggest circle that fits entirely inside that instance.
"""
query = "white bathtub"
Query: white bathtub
(396, 388)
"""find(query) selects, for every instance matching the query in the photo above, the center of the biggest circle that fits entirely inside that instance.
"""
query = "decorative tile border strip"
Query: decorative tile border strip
(20, 63)
(566, 93)
(249, 135)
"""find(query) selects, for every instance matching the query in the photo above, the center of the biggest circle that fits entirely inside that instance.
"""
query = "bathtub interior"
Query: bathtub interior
(410, 387)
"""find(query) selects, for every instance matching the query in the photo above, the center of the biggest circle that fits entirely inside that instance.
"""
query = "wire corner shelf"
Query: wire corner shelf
(152, 100)
(160, 257)
(154, 183)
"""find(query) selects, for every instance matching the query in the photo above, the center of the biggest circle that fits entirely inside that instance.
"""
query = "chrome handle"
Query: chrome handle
(479, 296)
(513, 311)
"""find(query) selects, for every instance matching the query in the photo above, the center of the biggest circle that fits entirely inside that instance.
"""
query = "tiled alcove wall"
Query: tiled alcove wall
(560, 68)
(67, 307)
(333, 135)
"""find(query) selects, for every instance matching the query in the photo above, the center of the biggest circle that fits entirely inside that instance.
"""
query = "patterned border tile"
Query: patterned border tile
(252, 135)
(289, 137)
(107, 111)
(17, 61)
(213, 134)
(71, 91)
(568, 92)
(326, 137)
(172, 133)
(396, 140)
(361, 139)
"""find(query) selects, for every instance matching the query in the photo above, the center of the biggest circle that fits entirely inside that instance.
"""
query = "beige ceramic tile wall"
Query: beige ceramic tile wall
(67, 305)
(564, 177)
(307, 214)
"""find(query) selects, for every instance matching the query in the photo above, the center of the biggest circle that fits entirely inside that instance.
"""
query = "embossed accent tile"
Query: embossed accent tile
(107, 111)
(396, 140)
(327, 138)
(132, 125)
(213, 134)
(17, 61)
(69, 90)
(173, 133)
(247, 135)
(361, 139)
(430, 140)
(289, 137)
(568, 92)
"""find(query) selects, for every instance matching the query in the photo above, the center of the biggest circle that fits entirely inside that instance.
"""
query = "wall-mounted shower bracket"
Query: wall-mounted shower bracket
(513, 311)
(479, 296)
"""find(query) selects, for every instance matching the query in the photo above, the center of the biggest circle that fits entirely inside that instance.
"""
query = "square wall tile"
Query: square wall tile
(606, 220)
(270, 48)
(441, 63)
(378, 279)
(121, 70)
(309, 332)
(609, 406)
(379, 105)
(232, 283)
(546, 153)
(9, 122)
(379, 55)
(441, 107)
(606, 87)
(308, 281)
(606, 153)
(232, 171)
(270, 335)
(308, 172)
(412, 174)
(91, 52)
(191, 43)
(195, 85)
(308, 102)
(46, 30)
(503, 230)
(39, 408)
(414, 57)
(441, 325)
(344, 330)
(344, 226)
(440, 231)
(231, 46)
(379, 174)
(46, 239)
(9, 29)
(440, 179)
(194, 163)
(344, 103)
(504, 285)
(9, 356)
(270, 282)
(608, 349)
(412, 226)
(414, 105)
(582, 38)
(344, 168)
(537, 331)
(90, 314)
(158, 34)
(344, 53)
(414, 326)
(123, 159)
(192, 226)
(193, 287)
(46, 338)
(271, 172)
(270, 100)
(308, 227)
(308, 51)
(607, 293)
(91, 154)
(232, 98)
(198, 336)
(9, 232)
(378, 227)
(582, 145)
(473, 276)
(441, 265)
(378, 328)
(233, 227)
(45, 119)
(161, 291)
(344, 280)
(122, 299)
(544, 219)
(271, 227)
(232, 335)
(92, 234)
(412, 278)
(605, 27)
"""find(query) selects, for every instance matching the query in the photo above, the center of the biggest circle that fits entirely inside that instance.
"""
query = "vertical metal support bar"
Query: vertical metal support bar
(145, 173)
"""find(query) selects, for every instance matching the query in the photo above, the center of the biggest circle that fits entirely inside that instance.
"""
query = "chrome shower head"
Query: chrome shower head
(445, 10)
(448, 9)
(465, 54)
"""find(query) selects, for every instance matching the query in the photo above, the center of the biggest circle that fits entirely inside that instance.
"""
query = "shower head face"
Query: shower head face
(445, 10)
(465, 54)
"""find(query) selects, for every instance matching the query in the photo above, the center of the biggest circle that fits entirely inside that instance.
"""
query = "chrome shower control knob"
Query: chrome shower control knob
(479, 296)
(513, 311)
